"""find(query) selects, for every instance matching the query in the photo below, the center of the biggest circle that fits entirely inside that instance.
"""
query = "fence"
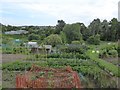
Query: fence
(39, 77)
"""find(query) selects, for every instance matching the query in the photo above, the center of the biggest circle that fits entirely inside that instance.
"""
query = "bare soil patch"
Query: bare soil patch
(112, 60)
(12, 57)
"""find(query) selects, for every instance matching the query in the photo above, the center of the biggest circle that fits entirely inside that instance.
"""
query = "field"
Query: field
(12, 57)
(87, 50)
(89, 71)
(93, 71)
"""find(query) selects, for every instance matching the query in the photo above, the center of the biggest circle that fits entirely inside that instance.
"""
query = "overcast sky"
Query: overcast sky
(47, 12)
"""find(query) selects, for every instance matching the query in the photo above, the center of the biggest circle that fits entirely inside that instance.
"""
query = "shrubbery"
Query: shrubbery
(74, 48)
(53, 40)
(68, 55)
(103, 54)
(113, 53)
(15, 50)
(107, 66)
(77, 42)
(94, 39)
(33, 37)
(118, 51)
(58, 55)
(109, 51)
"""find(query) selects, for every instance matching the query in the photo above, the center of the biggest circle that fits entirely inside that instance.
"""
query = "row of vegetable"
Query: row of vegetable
(86, 67)
(109, 67)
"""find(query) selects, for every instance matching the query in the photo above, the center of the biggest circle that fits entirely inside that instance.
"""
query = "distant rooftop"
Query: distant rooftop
(17, 32)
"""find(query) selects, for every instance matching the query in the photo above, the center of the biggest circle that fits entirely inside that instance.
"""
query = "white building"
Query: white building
(32, 45)
(17, 32)
(48, 48)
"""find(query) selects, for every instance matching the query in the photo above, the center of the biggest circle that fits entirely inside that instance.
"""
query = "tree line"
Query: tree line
(67, 33)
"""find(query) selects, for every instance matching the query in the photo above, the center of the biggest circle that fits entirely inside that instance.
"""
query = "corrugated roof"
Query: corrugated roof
(46, 46)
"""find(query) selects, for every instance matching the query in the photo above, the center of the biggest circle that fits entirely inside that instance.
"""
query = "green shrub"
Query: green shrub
(81, 56)
(118, 51)
(53, 55)
(33, 37)
(53, 40)
(74, 48)
(110, 47)
(104, 64)
(109, 50)
(94, 40)
(77, 42)
(68, 55)
(113, 53)
(103, 54)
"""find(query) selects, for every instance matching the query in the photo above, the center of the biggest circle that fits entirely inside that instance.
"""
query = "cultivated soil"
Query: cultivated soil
(12, 57)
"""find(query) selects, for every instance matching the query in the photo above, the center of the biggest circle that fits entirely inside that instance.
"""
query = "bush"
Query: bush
(68, 56)
(53, 40)
(113, 53)
(81, 56)
(103, 54)
(118, 51)
(77, 42)
(53, 55)
(33, 37)
(6, 50)
(74, 48)
(94, 39)
(109, 50)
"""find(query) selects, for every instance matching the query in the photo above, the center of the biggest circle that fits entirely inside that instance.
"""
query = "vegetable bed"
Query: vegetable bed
(39, 77)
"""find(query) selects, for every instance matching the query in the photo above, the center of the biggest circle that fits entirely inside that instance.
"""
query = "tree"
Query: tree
(94, 39)
(49, 31)
(97, 39)
(53, 40)
(104, 35)
(60, 26)
(63, 37)
(118, 32)
(31, 31)
(72, 32)
(95, 27)
(84, 31)
(33, 37)
(3, 28)
(114, 25)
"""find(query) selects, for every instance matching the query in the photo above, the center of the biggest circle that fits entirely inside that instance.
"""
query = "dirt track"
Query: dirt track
(12, 57)
(114, 61)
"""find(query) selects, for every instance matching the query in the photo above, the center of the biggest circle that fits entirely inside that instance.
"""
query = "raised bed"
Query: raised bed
(39, 77)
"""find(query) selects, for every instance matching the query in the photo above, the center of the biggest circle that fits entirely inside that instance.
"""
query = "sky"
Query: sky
(47, 12)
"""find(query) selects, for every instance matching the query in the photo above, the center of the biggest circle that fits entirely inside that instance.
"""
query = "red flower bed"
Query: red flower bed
(39, 77)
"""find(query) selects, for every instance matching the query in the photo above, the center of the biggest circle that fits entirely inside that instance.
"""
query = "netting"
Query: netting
(39, 77)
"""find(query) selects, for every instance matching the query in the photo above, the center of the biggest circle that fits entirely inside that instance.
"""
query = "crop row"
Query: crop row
(107, 66)
(85, 67)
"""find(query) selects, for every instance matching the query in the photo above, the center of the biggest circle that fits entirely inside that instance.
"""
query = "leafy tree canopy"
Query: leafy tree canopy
(72, 32)
(53, 40)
